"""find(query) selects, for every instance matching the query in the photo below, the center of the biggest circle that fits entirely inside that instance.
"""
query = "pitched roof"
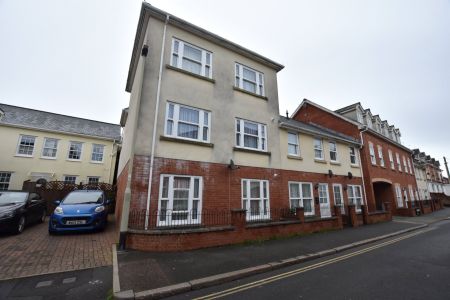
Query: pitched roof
(315, 129)
(47, 121)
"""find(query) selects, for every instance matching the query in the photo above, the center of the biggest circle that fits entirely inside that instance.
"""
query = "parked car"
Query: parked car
(19, 209)
(82, 210)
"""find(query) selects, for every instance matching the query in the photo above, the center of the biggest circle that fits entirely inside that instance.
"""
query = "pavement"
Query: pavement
(35, 252)
(150, 274)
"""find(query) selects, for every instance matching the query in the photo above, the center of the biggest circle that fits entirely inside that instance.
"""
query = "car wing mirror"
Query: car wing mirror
(57, 202)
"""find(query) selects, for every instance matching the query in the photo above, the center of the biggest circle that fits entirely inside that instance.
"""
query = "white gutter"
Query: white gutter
(155, 123)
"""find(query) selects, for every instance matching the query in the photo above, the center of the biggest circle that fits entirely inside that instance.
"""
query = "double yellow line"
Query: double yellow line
(304, 269)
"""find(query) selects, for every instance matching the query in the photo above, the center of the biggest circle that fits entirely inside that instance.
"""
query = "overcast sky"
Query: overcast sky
(72, 57)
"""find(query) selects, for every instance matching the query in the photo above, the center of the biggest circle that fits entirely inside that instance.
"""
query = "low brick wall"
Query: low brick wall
(378, 217)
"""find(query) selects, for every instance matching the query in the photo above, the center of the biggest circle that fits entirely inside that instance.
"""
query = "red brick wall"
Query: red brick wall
(121, 185)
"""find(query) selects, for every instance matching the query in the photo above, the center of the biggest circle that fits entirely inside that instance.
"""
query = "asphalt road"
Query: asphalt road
(86, 284)
(412, 266)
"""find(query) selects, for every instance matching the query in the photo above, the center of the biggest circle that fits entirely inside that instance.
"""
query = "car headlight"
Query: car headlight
(59, 210)
(99, 209)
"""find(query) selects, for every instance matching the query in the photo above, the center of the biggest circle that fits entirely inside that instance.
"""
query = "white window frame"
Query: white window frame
(175, 120)
(81, 151)
(411, 193)
(264, 199)
(44, 148)
(354, 199)
(391, 159)
(206, 69)
(335, 151)
(19, 144)
(192, 217)
(5, 180)
(70, 176)
(318, 148)
(354, 155)
(409, 166)
(380, 155)
(399, 163)
(296, 145)
(92, 177)
(262, 135)
(341, 195)
(404, 164)
(398, 196)
(302, 197)
(239, 79)
(373, 159)
(97, 153)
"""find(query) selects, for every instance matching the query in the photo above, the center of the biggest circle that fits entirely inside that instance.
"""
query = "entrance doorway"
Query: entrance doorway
(383, 193)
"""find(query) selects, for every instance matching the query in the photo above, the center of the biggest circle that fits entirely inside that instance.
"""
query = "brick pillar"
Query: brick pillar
(353, 216)
(338, 213)
(387, 207)
(300, 212)
(365, 214)
(238, 218)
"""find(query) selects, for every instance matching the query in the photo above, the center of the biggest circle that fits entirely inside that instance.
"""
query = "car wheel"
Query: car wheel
(44, 214)
(21, 225)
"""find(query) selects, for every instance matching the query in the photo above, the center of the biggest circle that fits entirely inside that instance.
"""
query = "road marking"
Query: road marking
(304, 269)
(69, 280)
(408, 222)
(44, 284)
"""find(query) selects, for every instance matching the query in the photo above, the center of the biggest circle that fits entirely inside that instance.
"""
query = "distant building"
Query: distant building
(43, 145)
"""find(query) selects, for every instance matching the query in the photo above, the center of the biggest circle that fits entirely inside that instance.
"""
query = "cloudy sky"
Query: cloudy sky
(72, 57)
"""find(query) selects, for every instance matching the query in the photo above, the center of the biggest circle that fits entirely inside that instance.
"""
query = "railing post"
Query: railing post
(338, 213)
(352, 215)
(238, 218)
(300, 212)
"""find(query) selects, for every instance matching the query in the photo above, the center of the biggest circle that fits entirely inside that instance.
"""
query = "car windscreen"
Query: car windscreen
(12, 198)
(83, 198)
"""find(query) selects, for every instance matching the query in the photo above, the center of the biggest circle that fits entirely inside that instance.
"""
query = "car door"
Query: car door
(34, 208)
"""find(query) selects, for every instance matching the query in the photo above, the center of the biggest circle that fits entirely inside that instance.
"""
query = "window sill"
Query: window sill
(49, 158)
(23, 155)
(354, 166)
(336, 163)
(177, 140)
(190, 73)
(322, 161)
(251, 151)
(74, 160)
(250, 93)
(294, 157)
(96, 162)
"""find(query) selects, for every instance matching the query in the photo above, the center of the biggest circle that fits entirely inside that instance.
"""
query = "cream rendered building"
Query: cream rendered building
(37, 144)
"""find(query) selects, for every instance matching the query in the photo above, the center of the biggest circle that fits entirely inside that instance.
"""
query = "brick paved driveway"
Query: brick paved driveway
(36, 252)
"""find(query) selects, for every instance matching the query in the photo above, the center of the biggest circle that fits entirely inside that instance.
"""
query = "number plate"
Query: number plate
(76, 222)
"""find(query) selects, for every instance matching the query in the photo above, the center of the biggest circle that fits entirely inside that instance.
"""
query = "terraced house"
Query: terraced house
(43, 145)
(206, 157)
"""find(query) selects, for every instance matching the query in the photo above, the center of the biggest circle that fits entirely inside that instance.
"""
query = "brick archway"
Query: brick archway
(383, 192)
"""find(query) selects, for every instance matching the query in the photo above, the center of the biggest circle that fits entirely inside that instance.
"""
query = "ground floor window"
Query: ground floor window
(300, 195)
(355, 196)
(338, 199)
(180, 200)
(5, 178)
(93, 179)
(70, 179)
(398, 196)
(255, 199)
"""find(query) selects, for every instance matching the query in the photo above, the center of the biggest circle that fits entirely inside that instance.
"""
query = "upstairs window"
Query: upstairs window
(50, 148)
(191, 58)
(318, 148)
(409, 166)
(398, 196)
(187, 122)
(75, 150)
(391, 159)
(251, 135)
(372, 154)
(353, 157)
(399, 164)
(293, 144)
(333, 151)
(249, 79)
(405, 167)
(26, 145)
(97, 152)
(380, 155)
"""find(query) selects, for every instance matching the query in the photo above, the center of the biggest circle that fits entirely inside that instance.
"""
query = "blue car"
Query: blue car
(83, 210)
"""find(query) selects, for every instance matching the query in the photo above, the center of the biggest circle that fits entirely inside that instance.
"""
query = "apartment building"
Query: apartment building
(203, 135)
(44, 145)
(387, 167)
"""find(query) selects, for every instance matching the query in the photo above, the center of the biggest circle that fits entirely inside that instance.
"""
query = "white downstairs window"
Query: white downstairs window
(300, 195)
(338, 198)
(251, 135)
(191, 58)
(255, 199)
(180, 200)
(187, 122)
(398, 195)
(355, 196)
(249, 79)
(5, 178)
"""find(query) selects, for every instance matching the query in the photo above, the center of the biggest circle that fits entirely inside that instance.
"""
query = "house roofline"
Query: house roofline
(148, 10)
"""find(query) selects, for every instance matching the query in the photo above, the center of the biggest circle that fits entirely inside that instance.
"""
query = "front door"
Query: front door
(324, 200)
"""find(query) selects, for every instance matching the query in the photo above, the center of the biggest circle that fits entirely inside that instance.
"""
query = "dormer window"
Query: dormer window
(369, 122)
(359, 117)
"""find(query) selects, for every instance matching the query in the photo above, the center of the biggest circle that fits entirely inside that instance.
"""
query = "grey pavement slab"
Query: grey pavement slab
(140, 271)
